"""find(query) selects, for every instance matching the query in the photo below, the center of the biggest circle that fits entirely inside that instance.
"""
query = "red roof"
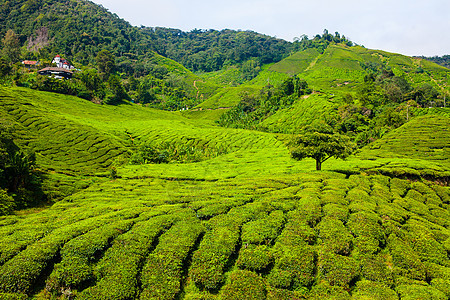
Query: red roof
(55, 69)
(29, 62)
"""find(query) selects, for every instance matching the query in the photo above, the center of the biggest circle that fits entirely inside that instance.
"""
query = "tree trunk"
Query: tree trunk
(318, 165)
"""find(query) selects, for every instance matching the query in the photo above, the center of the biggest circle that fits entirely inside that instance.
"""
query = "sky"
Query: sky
(409, 27)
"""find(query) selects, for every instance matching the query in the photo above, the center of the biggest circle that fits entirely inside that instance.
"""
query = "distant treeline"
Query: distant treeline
(79, 30)
(440, 60)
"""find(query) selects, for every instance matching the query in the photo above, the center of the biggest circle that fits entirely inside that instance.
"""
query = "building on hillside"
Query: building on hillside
(62, 63)
(30, 63)
(57, 72)
(62, 70)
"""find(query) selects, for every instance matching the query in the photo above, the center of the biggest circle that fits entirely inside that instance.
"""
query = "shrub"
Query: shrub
(20, 273)
(297, 233)
(377, 268)
(255, 258)
(264, 230)
(360, 200)
(334, 236)
(415, 291)
(310, 210)
(368, 232)
(79, 253)
(366, 289)
(422, 241)
(336, 211)
(281, 294)
(337, 269)
(325, 290)
(209, 261)
(161, 275)
(9, 296)
(7, 204)
(117, 271)
(294, 267)
(243, 285)
(219, 243)
(399, 187)
(442, 285)
(406, 260)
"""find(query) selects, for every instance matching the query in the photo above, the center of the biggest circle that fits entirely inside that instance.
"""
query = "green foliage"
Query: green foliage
(418, 291)
(372, 290)
(166, 152)
(79, 254)
(338, 270)
(368, 232)
(294, 267)
(18, 175)
(162, 272)
(5, 68)
(321, 144)
(116, 272)
(264, 230)
(210, 50)
(61, 86)
(105, 63)
(117, 91)
(6, 203)
(244, 284)
(253, 109)
(11, 47)
(255, 257)
(241, 219)
(443, 60)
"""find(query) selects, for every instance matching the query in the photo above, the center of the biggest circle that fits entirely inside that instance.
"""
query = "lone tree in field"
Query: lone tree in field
(321, 143)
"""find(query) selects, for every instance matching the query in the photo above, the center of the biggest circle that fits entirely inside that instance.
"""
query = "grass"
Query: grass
(296, 63)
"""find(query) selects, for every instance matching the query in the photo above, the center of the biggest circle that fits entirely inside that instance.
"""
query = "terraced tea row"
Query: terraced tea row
(60, 144)
(312, 235)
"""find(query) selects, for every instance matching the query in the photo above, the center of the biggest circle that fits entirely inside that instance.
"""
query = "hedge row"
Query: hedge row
(117, 272)
(78, 255)
(220, 242)
(20, 273)
(162, 274)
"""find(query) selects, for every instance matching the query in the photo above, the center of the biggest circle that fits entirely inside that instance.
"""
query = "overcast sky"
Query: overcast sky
(409, 27)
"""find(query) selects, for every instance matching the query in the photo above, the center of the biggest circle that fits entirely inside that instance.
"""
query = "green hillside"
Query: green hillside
(249, 219)
(167, 166)
(344, 78)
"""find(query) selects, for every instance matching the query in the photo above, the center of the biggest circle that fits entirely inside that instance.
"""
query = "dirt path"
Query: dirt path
(195, 86)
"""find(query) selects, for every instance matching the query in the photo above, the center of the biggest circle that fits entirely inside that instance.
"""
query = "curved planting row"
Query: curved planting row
(310, 237)
(59, 143)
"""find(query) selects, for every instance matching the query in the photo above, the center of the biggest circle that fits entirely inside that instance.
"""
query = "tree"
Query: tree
(5, 67)
(321, 143)
(11, 46)
(106, 63)
(117, 91)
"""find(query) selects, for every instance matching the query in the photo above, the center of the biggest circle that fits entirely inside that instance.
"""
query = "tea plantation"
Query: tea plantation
(237, 219)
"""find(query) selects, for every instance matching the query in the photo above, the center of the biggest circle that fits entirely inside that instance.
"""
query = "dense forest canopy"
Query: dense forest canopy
(80, 29)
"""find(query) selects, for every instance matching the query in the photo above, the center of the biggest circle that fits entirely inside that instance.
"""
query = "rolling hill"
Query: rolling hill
(145, 203)
(250, 219)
